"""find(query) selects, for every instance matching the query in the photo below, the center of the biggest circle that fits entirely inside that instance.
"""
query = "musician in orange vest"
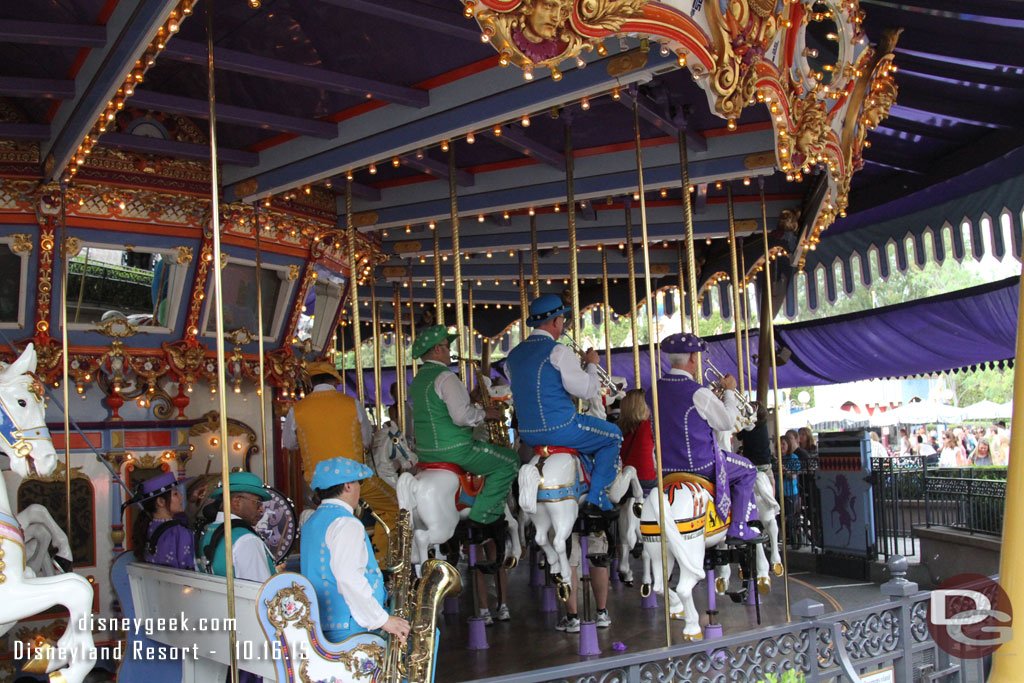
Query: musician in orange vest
(329, 424)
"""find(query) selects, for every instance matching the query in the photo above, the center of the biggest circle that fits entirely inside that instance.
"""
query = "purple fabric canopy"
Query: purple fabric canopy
(960, 329)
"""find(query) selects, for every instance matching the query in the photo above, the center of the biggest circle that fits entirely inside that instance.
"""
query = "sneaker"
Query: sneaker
(485, 614)
(569, 624)
(603, 620)
(503, 614)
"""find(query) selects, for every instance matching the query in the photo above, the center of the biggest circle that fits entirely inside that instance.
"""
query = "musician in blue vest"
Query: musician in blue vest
(336, 556)
(545, 376)
(690, 415)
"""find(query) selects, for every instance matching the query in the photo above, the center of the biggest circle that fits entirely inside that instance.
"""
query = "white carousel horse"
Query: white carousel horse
(437, 499)
(553, 507)
(629, 538)
(41, 534)
(26, 440)
(695, 526)
(391, 454)
(767, 512)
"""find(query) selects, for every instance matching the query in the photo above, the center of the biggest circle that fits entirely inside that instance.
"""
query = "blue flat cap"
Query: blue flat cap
(546, 307)
(683, 343)
(338, 471)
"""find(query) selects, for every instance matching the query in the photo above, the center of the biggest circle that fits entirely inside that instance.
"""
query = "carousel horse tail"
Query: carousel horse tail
(529, 483)
(37, 514)
(406, 491)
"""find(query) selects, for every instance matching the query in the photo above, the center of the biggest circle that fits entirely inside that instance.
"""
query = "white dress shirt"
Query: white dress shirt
(249, 554)
(450, 389)
(346, 542)
(577, 381)
(290, 439)
(722, 416)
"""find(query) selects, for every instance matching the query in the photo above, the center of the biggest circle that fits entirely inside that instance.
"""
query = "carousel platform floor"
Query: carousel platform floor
(635, 627)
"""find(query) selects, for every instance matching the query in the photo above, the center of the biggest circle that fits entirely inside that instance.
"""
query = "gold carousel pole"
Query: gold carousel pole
(412, 322)
(682, 280)
(1006, 660)
(341, 341)
(607, 311)
(570, 209)
(259, 335)
(218, 290)
(438, 281)
(65, 349)
(375, 322)
(738, 333)
(453, 197)
(399, 358)
(654, 381)
(775, 382)
(471, 376)
(632, 296)
(523, 306)
(691, 259)
(353, 293)
(746, 320)
(534, 254)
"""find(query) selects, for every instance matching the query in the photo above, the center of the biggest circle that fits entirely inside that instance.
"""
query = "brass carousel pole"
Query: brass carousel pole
(341, 341)
(523, 306)
(738, 333)
(632, 296)
(534, 254)
(399, 358)
(570, 208)
(457, 259)
(691, 259)
(654, 381)
(412, 322)
(259, 335)
(375, 322)
(353, 293)
(438, 281)
(471, 376)
(607, 312)
(218, 290)
(775, 381)
(682, 280)
(746, 319)
(65, 349)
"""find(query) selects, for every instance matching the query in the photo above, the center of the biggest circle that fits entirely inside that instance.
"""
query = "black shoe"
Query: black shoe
(735, 540)
(589, 509)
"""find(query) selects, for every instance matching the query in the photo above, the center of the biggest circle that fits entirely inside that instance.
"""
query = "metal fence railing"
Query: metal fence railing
(899, 500)
(974, 505)
(838, 647)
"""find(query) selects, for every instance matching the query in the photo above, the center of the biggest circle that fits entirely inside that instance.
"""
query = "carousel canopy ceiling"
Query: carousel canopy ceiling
(308, 90)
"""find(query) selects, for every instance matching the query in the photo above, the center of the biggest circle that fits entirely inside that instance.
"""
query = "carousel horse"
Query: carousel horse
(41, 534)
(553, 507)
(438, 497)
(695, 527)
(630, 545)
(391, 454)
(767, 512)
(26, 440)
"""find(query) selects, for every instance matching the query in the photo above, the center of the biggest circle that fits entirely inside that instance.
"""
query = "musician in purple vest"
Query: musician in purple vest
(545, 376)
(690, 415)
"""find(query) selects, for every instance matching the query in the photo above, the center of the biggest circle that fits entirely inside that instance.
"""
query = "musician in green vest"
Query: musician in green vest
(444, 417)
(252, 561)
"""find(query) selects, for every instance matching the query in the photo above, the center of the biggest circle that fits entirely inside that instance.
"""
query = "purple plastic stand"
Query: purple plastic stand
(547, 600)
(613, 572)
(751, 593)
(477, 627)
(649, 602)
(712, 631)
(537, 572)
(588, 629)
(477, 634)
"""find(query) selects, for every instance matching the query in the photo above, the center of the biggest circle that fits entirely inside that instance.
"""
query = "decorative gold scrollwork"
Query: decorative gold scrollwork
(21, 243)
(184, 255)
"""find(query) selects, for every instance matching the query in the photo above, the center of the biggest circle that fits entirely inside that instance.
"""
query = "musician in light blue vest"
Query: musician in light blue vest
(545, 376)
(337, 558)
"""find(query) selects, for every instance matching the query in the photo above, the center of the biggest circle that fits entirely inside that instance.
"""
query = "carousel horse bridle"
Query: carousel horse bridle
(18, 438)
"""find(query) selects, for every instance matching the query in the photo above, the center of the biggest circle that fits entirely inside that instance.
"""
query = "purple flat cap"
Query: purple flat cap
(683, 343)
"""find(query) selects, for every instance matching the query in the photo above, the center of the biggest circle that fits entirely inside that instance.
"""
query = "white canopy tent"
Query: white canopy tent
(820, 417)
(918, 413)
(988, 410)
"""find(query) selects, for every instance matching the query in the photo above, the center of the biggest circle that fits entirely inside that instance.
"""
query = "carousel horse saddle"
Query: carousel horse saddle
(712, 521)
(469, 484)
(545, 451)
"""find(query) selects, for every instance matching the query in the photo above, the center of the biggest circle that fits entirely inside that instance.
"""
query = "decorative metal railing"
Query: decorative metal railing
(839, 647)
(974, 505)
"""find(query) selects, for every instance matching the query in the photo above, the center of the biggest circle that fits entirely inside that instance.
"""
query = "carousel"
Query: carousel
(198, 200)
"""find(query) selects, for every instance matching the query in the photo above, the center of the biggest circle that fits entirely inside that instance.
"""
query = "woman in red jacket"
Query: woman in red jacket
(638, 438)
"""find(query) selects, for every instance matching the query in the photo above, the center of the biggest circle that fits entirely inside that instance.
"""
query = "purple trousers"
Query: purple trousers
(734, 478)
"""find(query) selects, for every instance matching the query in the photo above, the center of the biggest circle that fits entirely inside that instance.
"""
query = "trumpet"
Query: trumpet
(607, 383)
(714, 377)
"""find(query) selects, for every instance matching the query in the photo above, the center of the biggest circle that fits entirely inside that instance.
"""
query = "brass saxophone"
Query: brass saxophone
(497, 433)
(414, 660)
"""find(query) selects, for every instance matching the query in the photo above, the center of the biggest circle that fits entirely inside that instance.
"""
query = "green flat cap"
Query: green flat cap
(430, 338)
